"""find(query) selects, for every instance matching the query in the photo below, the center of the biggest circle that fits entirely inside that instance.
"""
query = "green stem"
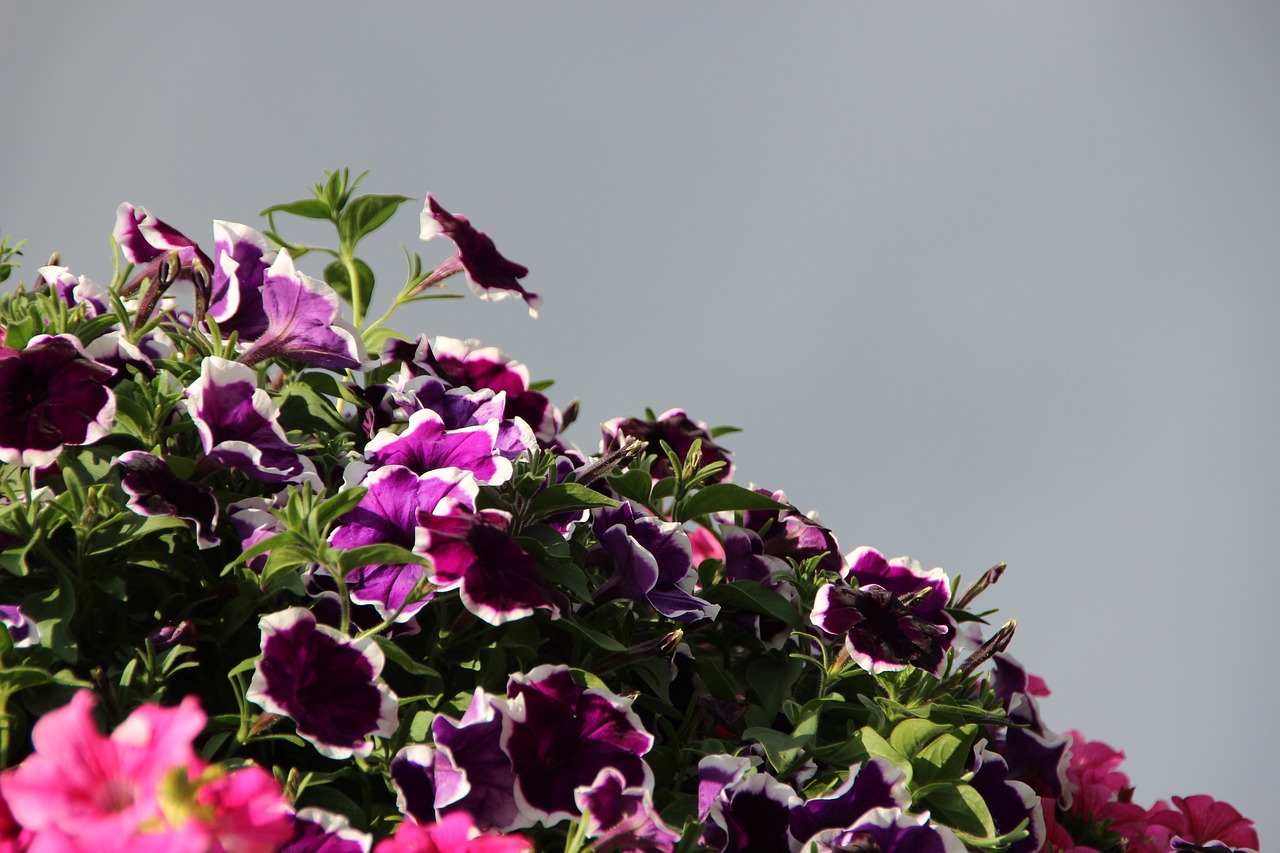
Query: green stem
(357, 298)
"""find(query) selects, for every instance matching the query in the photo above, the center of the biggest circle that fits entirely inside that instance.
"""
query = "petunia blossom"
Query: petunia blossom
(489, 274)
(876, 784)
(144, 238)
(453, 834)
(426, 444)
(674, 427)
(619, 817)
(51, 394)
(1200, 819)
(743, 813)
(889, 830)
(315, 830)
(324, 681)
(881, 633)
(243, 257)
(22, 631)
(154, 490)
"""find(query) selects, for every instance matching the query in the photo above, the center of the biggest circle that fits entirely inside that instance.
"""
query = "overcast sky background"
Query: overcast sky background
(980, 282)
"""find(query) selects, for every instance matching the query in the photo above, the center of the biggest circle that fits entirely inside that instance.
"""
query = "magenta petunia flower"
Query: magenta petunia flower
(154, 490)
(324, 681)
(490, 275)
(426, 445)
(1201, 819)
(388, 513)
(560, 735)
(453, 834)
(143, 238)
(475, 553)
(237, 423)
(51, 394)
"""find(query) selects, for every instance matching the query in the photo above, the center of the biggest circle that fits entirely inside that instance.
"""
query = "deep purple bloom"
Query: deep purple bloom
(1009, 802)
(789, 534)
(875, 785)
(237, 422)
(475, 553)
(235, 302)
(319, 831)
(473, 774)
(560, 735)
(888, 831)
(623, 818)
(144, 238)
(324, 681)
(426, 445)
(412, 774)
(254, 522)
(388, 513)
(743, 813)
(154, 490)
(490, 275)
(905, 578)
(51, 394)
(745, 560)
(653, 562)
(22, 631)
(881, 633)
(304, 321)
(674, 427)
(1037, 755)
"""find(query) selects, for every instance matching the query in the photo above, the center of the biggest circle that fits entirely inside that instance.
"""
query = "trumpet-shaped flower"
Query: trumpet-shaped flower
(154, 490)
(490, 275)
(426, 445)
(453, 834)
(144, 238)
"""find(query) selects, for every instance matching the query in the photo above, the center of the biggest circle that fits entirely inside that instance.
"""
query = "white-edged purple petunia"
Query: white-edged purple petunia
(881, 633)
(304, 321)
(1011, 803)
(928, 591)
(674, 427)
(22, 631)
(875, 785)
(388, 514)
(742, 813)
(475, 553)
(560, 735)
(324, 681)
(154, 490)
(144, 238)
(888, 831)
(427, 444)
(319, 831)
(653, 562)
(77, 291)
(52, 393)
(238, 424)
(619, 817)
(490, 275)
(243, 257)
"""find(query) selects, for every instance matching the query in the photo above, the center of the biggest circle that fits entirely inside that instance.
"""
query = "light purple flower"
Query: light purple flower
(154, 490)
(881, 633)
(490, 275)
(560, 735)
(675, 428)
(388, 513)
(22, 631)
(888, 831)
(51, 394)
(304, 321)
(876, 784)
(475, 553)
(653, 563)
(237, 422)
(426, 445)
(622, 818)
(319, 831)
(143, 238)
(324, 681)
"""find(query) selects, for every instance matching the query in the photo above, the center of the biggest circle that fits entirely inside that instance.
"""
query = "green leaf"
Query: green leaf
(595, 638)
(962, 807)
(910, 736)
(877, 747)
(568, 576)
(772, 678)
(338, 505)
(713, 674)
(373, 555)
(366, 214)
(784, 751)
(303, 409)
(945, 756)
(564, 497)
(335, 275)
(279, 540)
(635, 485)
(723, 497)
(755, 597)
(21, 677)
(397, 655)
(310, 208)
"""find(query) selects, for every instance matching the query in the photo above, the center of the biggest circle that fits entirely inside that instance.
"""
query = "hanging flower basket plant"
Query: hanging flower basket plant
(274, 576)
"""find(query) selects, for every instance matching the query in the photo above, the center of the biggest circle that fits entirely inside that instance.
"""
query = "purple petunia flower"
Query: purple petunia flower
(253, 522)
(789, 534)
(237, 423)
(388, 513)
(929, 591)
(143, 238)
(674, 427)
(77, 290)
(324, 681)
(22, 631)
(304, 321)
(235, 302)
(490, 275)
(154, 490)
(475, 553)
(622, 818)
(889, 831)
(560, 735)
(1010, 802)
(743, 813)
(881, 633)
(653, 563)
(427, 445)
(876, 784)
(51, 394)
(319, 831)
(412, 774)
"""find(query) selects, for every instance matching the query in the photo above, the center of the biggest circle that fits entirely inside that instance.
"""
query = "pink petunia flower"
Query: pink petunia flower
(453, 834)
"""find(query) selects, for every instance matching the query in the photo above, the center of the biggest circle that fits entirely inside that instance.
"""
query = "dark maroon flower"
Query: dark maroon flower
(653, 563)
(622, 818)
(560, 735)
(675, 428)
(154, 490)
(490, 275)
(875, 785)
(324, 681)
(474, 553)
(51, 394)
(881, 633)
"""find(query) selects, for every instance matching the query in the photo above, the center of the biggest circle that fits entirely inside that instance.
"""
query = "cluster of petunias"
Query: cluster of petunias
(340, 589)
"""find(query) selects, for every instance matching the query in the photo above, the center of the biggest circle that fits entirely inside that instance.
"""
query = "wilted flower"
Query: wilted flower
(154, 490)
(490, 275)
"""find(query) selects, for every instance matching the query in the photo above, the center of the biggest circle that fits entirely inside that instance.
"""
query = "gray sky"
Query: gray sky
(980, 281)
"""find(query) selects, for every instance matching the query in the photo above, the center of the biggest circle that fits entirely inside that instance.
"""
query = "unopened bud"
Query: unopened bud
(977, 587)
(998, 643)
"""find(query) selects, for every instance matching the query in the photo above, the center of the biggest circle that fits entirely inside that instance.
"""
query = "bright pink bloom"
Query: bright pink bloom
(246, 812)
(705, 545)
(454, 834)
(1102, 792)
(1201, 819)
